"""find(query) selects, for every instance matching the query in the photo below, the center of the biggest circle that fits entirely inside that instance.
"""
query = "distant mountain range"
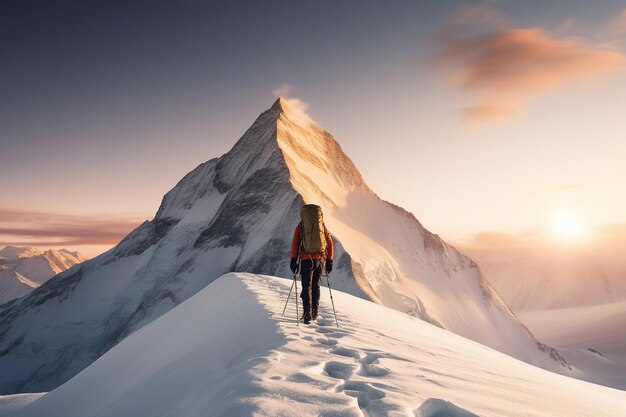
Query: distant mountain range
(23, 269)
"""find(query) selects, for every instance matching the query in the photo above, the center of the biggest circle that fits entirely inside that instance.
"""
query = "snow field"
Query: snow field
(392, 364)
(228, 351)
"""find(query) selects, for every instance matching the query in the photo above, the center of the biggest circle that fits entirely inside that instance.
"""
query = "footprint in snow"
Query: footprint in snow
(372, 370)
(336, 335)
(369, 368)
(325, 330)
(325, 322)
(339, 370)
(327, 341)
(363, 391)
(342, 351)
(434, 407)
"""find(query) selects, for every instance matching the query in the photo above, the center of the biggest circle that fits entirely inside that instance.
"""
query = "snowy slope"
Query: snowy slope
(30, 268)
(227, 351)
(592, 338)
(238, 213)
(10, 403)
(395, 260)
(14, 285)
(554, 276)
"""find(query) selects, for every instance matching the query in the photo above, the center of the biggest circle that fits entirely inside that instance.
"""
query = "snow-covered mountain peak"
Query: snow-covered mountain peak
(30, 267)
(285, 159)
(280, 105)
(319, 169)
(283, 142)
(293, 108)
(12, 252)
(238, 213)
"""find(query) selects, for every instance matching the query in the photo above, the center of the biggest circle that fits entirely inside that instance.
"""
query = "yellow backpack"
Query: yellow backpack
(312, 232)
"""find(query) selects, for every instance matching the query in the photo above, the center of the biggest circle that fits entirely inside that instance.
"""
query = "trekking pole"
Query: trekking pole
(331, 300)
(295, 281)
(286, 302)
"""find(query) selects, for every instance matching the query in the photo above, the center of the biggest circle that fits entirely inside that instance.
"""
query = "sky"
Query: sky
(495, 118)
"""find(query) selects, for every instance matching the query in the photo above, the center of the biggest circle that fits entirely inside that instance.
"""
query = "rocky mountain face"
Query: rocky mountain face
(23, 269)
(238, 213)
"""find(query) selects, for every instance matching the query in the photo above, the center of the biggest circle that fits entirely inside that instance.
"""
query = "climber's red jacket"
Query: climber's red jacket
(295, 244)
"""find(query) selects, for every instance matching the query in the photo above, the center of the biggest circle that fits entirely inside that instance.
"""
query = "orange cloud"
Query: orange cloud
(44, 229)
(504, 68)
(489, 111)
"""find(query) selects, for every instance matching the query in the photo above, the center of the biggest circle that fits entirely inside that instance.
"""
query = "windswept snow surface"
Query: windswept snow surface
(14, 285)
(228, 351)
(592, 338)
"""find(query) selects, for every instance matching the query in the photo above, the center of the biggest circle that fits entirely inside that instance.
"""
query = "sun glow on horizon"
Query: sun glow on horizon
(567, 227)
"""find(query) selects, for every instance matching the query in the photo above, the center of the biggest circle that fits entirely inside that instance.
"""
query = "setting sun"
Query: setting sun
(567, 226)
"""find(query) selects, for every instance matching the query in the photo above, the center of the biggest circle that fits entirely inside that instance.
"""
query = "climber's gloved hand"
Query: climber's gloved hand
(294, 265)
(329, 265)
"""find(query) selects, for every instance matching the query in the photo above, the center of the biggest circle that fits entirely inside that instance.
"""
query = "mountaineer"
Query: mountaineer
(312, 251)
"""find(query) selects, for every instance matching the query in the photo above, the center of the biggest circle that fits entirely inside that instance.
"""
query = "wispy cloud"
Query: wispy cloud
(46, 229)
(565, 26)
(502, 68)
(485, 12)
(617, 26)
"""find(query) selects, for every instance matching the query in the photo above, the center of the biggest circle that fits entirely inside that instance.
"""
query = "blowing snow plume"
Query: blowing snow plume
(238, 213)
(298, 108)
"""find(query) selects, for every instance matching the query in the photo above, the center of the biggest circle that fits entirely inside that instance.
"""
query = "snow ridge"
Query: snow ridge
(242, 357)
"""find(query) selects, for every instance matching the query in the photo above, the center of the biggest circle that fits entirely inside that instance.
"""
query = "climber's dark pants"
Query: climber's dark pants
(310, 271)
